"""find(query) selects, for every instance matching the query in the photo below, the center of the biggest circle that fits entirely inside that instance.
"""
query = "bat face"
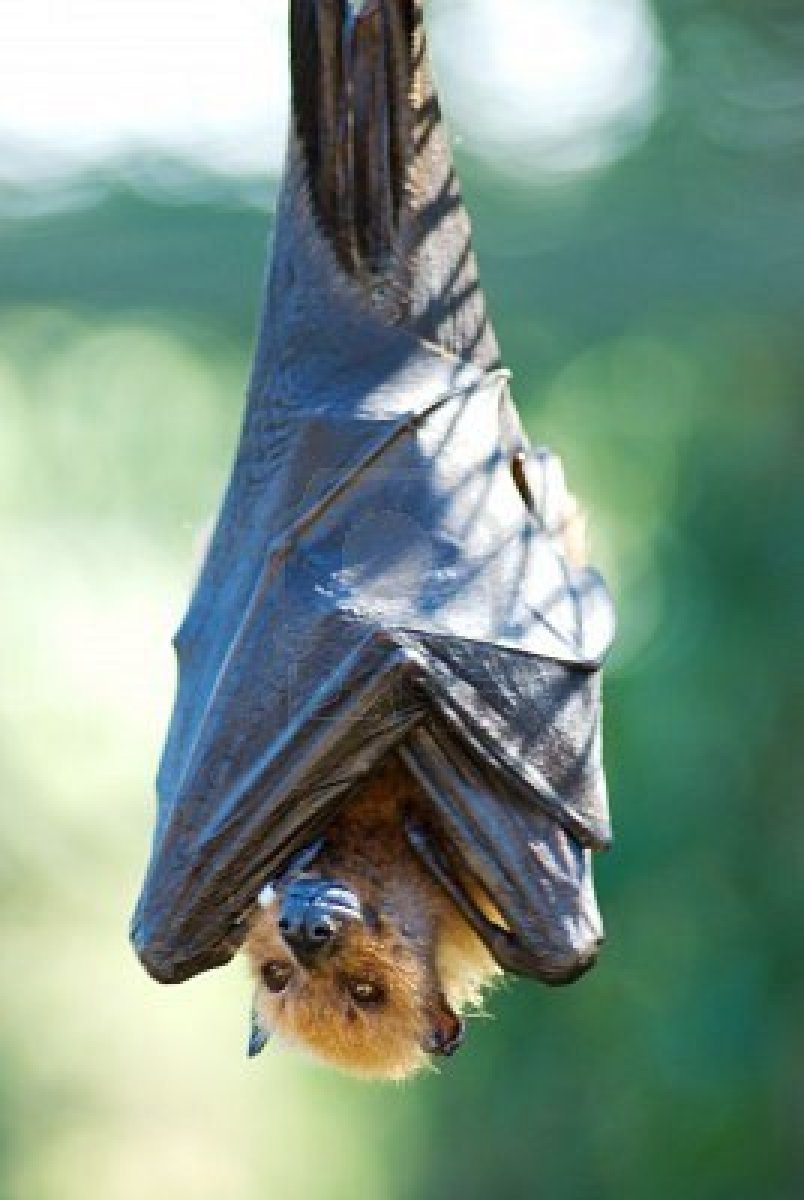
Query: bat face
(367, 1003)
(360, 958)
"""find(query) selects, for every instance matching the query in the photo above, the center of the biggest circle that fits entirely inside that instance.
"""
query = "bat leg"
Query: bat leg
(505, 948)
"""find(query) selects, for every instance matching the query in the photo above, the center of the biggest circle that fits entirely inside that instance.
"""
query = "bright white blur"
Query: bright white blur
(549, 85)
(535, 85)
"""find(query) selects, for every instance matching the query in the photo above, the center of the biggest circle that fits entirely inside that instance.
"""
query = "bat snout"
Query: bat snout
(312, 914)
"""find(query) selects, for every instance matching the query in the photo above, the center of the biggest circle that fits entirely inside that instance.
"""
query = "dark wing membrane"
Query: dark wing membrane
(340, 610)
(536, 873)
(534, 722)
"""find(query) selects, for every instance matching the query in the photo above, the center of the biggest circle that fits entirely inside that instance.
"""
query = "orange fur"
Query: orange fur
(421, 951)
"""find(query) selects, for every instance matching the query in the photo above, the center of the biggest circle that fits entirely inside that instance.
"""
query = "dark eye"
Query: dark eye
(276, 975)
(365, 992)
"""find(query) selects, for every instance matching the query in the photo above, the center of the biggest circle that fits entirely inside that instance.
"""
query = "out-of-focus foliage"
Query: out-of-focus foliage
(652, 315)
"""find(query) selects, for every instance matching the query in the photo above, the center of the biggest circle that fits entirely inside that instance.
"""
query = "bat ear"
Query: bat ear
(259, 1036)
(446, 1030)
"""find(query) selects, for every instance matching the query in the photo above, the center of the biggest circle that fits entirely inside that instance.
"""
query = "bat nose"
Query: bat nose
(312, 914)
(305, 929)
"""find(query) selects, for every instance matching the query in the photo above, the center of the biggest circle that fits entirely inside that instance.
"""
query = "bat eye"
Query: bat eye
(366, 993)
(276, 975)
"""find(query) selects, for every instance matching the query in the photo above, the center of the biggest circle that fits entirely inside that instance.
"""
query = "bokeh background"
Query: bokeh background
(635, 171)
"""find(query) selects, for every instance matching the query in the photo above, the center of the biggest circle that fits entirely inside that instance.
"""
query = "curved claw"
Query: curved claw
(355, 9)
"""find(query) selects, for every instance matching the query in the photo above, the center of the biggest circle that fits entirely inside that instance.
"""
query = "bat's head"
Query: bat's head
(358, 955)
(352, 982)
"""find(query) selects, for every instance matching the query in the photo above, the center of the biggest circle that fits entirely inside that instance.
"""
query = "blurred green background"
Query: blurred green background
(651, 309)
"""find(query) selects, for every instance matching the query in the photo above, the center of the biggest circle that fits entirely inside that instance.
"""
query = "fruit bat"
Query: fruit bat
(388, 575)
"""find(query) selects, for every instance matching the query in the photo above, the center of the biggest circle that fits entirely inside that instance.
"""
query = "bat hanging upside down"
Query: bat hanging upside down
(382, 778)
(370, 946)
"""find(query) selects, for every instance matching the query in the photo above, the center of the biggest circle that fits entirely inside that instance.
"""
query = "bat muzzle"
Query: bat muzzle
(313, 914)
